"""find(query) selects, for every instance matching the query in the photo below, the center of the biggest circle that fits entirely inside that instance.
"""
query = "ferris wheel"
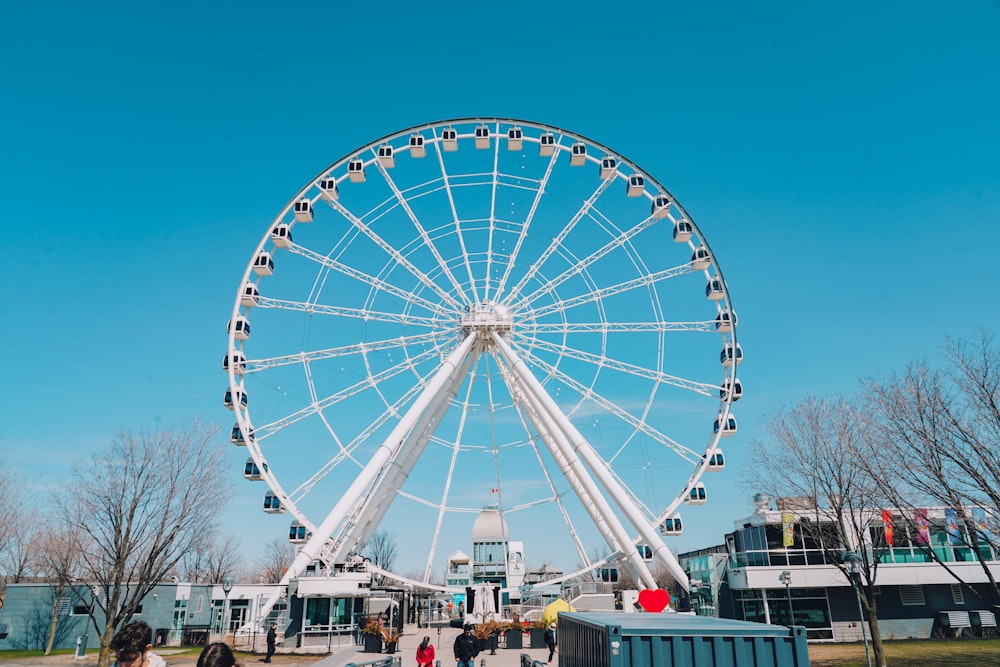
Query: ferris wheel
(482, 313)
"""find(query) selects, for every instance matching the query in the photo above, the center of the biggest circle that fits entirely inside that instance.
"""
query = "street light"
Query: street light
(853, 557)
(786, 578)
(227, 585)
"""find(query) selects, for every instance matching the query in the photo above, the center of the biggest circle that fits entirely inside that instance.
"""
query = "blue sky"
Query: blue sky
(841, 160)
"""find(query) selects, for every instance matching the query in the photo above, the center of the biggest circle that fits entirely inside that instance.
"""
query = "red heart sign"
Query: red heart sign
(654, 600)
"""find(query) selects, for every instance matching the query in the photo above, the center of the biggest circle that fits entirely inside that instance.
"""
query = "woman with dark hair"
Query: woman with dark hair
(217, 655)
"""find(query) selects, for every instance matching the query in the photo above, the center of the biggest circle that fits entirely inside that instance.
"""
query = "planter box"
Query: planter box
(538, 638)
(373, 644)
(514, 639)
(390, 647)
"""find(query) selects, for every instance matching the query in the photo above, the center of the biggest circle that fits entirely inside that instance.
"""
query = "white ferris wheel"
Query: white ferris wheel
(483, 312)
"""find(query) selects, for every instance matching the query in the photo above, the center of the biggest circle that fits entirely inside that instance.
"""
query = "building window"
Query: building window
(956, 594)
(911, 595)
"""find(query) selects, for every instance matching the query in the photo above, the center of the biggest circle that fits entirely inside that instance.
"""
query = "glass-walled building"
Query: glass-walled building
(781, 566)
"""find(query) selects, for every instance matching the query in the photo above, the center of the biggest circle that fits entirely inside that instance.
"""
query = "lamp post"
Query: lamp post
(227, 586)
(786, 578)
(853, 557)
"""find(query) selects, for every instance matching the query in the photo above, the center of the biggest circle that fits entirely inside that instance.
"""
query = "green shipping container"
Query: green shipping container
(619, 639)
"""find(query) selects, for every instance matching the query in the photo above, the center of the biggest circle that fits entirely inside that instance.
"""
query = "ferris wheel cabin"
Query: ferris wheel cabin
(682, 231)
(547, 144)
(251, 471)
(609, 167)
(636, 185)
(230, 401)
(272, 503)
(731, 355)
(449, 139)
(237, 438)
(356, 171)
(732, 390)
(236, 361)
(672, 525)
(725, 320)
(328, 189)
(249, 296)
(725, 427)
(700, 259)
(281, 235)
(417, 147)
(660, 207)
(297, 533)
(303, 210)
(385, 156)
(713, 290)
(697, 495)
(515, 139)
(716, 462)
(482, 137)
(578, 154)
(240, 328)
(263, 264)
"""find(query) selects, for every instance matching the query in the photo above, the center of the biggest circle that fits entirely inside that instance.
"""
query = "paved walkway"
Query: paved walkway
(407, 652)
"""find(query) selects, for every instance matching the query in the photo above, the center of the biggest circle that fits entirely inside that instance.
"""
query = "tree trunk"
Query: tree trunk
(878, 651)
(53, 623)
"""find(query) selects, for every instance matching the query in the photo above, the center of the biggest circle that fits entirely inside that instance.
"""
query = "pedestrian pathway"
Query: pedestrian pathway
(443, 639)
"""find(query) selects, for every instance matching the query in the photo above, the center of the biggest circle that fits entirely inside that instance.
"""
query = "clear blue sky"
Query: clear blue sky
(841, 159)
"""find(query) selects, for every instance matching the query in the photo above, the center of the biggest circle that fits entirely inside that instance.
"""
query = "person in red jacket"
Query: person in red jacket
(425, 653)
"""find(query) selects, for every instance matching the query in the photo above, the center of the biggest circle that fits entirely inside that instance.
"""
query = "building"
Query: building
(754, 576)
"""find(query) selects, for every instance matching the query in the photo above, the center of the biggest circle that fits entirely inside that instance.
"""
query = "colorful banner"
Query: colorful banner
(979, 518)
(887, 526)
(923, 528)
(951, 525)
(788, 528)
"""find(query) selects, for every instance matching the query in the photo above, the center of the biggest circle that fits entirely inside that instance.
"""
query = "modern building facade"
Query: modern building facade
(774, 569)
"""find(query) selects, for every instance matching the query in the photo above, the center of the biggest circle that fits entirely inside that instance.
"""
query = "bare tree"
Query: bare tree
(211, 559)
(941, 430)
(140, 504)
(382, 550)
(274, 562)
(17, 539)
(59, 561)
(818, 444)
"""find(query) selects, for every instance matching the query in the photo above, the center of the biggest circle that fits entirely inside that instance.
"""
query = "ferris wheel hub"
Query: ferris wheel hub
(487, 316)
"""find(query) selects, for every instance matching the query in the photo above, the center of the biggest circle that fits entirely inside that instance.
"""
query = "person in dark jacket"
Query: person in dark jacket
(550, 640)
(466, 648)
(272, 639)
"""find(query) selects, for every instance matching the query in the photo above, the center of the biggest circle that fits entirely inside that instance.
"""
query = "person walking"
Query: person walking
(272, 640)
(466, 648)
(425, 653)
(551, 640)
(132, 644)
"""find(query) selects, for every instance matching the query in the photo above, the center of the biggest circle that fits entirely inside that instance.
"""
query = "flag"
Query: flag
(494, 490)
(923, 528)
(979, 518)
(788, 528)
(887, 526)
(951, 525)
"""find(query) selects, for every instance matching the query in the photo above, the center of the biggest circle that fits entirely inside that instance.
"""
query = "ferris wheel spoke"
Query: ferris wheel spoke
(363, 314)
(424, 236)
(639, 425)
(535, 328)
(367, 279)
(493, 215)
(259, 365)
(703, 388)
(590, 259)
(523, 234)
(557, 242)
(645, 280)
(459, 235)
(267, 430)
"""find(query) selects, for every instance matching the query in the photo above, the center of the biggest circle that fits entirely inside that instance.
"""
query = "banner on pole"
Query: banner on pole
(788, 528)
(887, 526)
(923, 527)
(951, 525)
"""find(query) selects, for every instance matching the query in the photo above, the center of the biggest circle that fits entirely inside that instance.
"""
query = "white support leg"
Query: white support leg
(582, 448)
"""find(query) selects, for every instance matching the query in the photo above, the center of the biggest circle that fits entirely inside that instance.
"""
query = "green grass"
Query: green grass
(913, 653)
